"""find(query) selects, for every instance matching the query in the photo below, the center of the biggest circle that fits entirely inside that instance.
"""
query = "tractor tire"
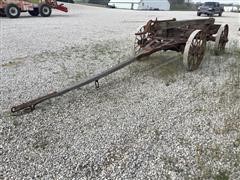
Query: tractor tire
(220, 14)
(2, 13)
(35, 12)
(12, 11)
(45, 10)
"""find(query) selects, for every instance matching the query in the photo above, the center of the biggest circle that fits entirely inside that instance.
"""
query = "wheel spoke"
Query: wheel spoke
(221, 38)
(194, 50)
(139, 40)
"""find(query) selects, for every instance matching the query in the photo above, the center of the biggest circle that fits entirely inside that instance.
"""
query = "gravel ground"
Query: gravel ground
(150, 120)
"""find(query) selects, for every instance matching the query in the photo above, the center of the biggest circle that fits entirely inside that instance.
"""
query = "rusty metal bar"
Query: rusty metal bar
(30, 106)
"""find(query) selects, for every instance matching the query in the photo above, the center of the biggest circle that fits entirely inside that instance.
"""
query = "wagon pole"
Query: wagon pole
(30, 105)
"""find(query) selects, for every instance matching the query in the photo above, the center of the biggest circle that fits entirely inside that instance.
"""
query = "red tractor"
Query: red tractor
(13, 8)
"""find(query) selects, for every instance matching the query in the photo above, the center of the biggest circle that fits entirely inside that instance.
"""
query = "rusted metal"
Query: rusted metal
(194, 50)
(174, 35)
(170, 35)
(188, 37)
(221, 38)
(30, 106)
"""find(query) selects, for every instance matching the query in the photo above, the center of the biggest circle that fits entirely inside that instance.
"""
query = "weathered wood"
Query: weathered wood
(172, 34)
(161, 25)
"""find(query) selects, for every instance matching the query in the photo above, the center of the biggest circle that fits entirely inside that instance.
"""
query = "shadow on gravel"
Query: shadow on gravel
(164, 66)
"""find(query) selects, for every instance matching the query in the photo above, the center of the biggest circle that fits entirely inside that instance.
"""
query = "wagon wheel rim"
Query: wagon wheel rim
(139, 39)
(221, 38)
(194, 50)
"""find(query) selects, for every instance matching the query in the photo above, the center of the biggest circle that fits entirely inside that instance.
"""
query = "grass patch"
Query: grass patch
(211, 153)
(222, 175)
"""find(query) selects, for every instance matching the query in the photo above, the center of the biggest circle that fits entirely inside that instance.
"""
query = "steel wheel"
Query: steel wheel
(194, 50)
(139, 40)
(221, 38)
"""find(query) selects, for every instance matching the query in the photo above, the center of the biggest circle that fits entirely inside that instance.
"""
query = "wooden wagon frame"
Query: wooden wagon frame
(187, 36)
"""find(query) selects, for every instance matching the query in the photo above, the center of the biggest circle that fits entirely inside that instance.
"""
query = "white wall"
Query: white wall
(153, 4)
(125, 1)
(141, 4)
(125, 4)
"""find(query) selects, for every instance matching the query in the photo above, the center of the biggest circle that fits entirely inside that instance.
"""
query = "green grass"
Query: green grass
(221, 176)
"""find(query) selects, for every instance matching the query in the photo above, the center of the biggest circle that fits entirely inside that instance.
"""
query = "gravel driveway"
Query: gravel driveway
(150, 120)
